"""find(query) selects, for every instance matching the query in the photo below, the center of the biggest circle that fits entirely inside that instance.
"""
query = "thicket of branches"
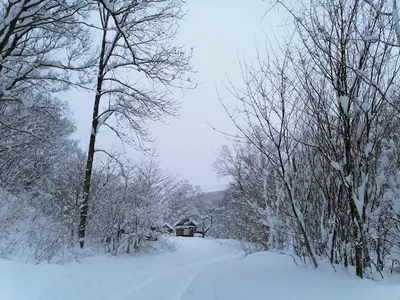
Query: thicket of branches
(315, 161)
(52, 193)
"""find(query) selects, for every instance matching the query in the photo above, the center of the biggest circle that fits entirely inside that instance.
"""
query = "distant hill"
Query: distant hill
(211, 197)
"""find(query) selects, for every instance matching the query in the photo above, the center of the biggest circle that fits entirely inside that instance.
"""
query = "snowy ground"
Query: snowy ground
(200, 269)
(162, 276)
(263, 276)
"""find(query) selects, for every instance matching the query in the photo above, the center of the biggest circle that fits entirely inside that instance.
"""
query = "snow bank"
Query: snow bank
(271, 276)
(28, 235)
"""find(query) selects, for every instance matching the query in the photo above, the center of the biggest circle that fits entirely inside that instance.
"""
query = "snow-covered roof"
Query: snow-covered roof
(194, 222)
(186, 222)
(168, 225)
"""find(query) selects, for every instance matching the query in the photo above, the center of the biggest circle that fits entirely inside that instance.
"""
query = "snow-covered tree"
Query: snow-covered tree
(128, 201)
(33, 141)
(320, 118)
(41, 42)
(137, 66)
(182, 203)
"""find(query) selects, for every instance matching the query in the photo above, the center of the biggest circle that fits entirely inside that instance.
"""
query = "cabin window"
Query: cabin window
(186, 231)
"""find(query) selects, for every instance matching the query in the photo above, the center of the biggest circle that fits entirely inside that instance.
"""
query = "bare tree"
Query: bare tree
(270, 121)
(128, 201)
(40, 43)
(206, 217)
(347, 47)
(322, 115)
(182, 203)
(137, 65)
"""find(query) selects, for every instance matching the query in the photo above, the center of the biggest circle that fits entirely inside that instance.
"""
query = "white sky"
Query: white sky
(221, 32)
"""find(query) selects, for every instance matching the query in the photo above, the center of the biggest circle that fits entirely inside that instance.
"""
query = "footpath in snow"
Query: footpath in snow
(200, 269)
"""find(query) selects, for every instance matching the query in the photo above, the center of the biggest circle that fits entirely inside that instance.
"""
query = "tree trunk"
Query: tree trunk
(88, 175)
(332, 245)
(301, 225)
(359, 259)
(84, 208)
(308, 246)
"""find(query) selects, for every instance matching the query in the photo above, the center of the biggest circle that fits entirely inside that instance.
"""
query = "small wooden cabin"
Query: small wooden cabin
(185, 227)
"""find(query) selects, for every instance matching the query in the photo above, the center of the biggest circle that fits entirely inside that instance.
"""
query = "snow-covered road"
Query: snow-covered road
(163, 276)
(200, 269)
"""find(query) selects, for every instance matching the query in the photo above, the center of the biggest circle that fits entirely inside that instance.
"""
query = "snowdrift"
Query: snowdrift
(27, 234)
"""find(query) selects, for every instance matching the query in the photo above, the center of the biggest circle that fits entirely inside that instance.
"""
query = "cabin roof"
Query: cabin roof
(168, 225)
(185, 227)
(186, 222)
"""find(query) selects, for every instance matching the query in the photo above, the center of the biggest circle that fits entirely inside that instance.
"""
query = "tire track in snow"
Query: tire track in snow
(171, 285)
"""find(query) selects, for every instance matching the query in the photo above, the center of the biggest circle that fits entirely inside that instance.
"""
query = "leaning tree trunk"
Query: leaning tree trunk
(84, 208)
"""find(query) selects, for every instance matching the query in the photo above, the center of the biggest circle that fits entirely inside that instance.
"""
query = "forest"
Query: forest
(313, 162)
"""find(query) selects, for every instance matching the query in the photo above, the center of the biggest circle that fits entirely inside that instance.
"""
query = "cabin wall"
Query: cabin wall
(180, 232)
(192, 231)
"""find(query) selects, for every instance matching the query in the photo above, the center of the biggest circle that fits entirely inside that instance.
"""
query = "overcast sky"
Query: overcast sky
(220, 31)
